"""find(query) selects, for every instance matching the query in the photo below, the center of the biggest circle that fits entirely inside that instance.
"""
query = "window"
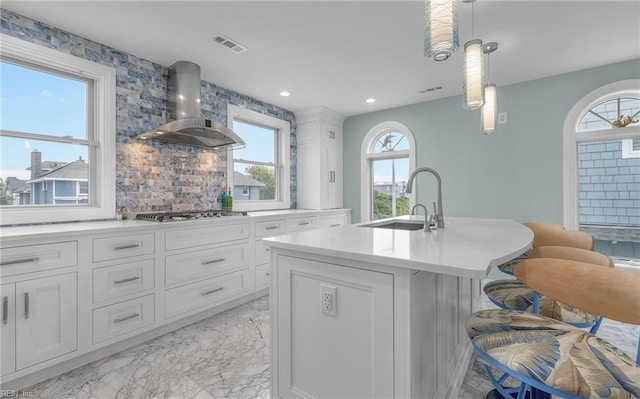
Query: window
(262, 168)
(387, 159)
(601, 168)
(57, 135)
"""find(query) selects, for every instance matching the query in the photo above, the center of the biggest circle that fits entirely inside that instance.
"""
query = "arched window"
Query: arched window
(602, 167)
(388, 156)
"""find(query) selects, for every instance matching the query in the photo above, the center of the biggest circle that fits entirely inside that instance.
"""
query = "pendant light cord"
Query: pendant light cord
(473, 20)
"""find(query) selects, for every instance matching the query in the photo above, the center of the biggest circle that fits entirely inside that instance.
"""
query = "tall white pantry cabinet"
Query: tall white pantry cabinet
(319, 139)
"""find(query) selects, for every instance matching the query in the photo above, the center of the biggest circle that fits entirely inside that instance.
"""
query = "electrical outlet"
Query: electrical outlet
(502, 118)
(328, 299)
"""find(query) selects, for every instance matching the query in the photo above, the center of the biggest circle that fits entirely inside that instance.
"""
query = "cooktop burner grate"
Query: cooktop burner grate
(178, 216)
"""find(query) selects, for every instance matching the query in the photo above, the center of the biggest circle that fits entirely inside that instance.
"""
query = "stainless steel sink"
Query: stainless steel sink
(396, 225)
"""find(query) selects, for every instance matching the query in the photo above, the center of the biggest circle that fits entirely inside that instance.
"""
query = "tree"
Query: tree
(5, 198)
(382, 206)
(264, 175)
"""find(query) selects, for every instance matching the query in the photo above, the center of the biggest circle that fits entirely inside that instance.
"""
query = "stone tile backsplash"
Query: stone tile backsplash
(153, 176)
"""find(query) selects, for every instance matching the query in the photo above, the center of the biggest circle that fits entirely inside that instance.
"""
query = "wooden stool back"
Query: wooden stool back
(569, 253)
(611, 293)
(544, 236)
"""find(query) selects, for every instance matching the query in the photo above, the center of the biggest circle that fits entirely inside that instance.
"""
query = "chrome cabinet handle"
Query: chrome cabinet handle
(303, 223)
(330, 177)
(212, 291)
(271, 227)
(131, 316)
(26, 305)
(25, 260)
(208, 262)
(335, 225)
(128, 246)
(126, 280)
(5, 309)
(267, 274)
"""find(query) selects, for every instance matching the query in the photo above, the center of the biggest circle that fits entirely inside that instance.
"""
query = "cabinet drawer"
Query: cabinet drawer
(198, 265)
(331, 221)
(269, 228)
(205, 293)
(120, 280)
(122, 246)
(33, 258)
(305, 223)
(214, 234)
(263, 275)
(263, 253)
(121, 318)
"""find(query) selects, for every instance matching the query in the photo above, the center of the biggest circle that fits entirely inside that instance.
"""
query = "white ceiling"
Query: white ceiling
(339, 53)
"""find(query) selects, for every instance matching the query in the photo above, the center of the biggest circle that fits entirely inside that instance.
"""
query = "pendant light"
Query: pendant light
(440, 29)
(489, 111)
(473, 70)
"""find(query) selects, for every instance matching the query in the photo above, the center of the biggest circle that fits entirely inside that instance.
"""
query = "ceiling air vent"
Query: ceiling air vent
(230, 44)
(431, 89)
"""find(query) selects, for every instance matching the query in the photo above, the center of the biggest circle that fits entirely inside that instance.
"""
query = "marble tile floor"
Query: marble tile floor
(223, 356)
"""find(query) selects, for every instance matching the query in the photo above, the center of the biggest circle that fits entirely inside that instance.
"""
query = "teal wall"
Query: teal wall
(516, 173)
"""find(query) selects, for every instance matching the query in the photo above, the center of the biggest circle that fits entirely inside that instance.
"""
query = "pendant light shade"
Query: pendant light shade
(488, 112)
(440, 29)
(473, 71)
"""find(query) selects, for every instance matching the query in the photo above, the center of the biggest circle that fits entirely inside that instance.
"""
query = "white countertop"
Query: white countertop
(35, 230)
(466, 247)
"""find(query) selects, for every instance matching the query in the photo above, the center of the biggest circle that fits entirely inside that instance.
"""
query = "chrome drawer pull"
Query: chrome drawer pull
(25, 260)
(131, 316)
(212, 291)
(5, 309)
(126, 280)
(129, 246)
(208, 262)
(26, 305)
(303, 223)
(271, 227)
(335, 225)
(267, 274)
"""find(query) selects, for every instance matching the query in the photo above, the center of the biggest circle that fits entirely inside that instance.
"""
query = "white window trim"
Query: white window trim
(103, 173)
(366, 182)
(571, 138)
(627, 150)
(283, 129)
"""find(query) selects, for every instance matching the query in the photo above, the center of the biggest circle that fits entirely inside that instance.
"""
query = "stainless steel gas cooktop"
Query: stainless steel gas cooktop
(178, 216)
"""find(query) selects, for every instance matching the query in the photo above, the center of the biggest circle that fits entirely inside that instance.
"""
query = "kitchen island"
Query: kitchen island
(377, 312)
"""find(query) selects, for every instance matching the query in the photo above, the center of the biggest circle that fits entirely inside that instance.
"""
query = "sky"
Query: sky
(36, 102)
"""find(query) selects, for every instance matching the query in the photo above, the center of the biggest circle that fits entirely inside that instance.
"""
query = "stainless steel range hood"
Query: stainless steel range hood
(186, 126)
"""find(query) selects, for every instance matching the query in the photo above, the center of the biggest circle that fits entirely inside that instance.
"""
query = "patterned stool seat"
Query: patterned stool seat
(512, 294)
(539, 349)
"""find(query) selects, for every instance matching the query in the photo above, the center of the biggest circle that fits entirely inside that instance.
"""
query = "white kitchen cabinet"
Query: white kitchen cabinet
(46, 324)
(120, 280)
(351, 345)
(319, 159)
(8, 329)
(337, 220)
(122, 318)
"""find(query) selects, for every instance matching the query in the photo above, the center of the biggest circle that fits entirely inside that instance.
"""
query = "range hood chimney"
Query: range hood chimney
(186, 126)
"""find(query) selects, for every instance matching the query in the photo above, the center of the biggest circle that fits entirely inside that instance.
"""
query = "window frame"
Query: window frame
(103, 172)
(282, 158)
(572, 137)
(367, 157)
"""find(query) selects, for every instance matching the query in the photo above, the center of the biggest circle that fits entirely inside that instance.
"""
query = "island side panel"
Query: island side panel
(320, 354)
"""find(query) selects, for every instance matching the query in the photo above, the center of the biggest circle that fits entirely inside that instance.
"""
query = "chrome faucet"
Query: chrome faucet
(427, 226)
(439, 216)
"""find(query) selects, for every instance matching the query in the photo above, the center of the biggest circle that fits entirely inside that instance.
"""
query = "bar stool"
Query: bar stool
(514, 294)
(545, 234)
(549, 357)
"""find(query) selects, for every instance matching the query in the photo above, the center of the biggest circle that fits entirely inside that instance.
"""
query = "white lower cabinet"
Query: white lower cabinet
(205, 293)
(263, 275)
(124, 279)
(39, 320)
(122, 318)
(8, 329)
(346, 351)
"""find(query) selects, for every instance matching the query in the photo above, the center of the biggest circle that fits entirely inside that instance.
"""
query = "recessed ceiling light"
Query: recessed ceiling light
(371, 100)
(285, 93)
